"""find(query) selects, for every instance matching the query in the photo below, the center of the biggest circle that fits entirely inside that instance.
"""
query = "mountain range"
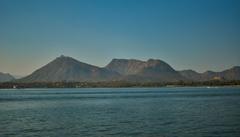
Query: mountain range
(229, 74)
(68, 69)
(144, 71)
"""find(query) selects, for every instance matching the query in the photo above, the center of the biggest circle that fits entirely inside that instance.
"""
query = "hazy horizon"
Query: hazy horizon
(199, 35)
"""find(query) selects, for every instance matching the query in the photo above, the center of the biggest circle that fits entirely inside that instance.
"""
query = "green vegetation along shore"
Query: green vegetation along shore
(114, 84)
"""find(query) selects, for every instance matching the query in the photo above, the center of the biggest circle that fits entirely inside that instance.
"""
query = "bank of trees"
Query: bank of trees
(115, 84)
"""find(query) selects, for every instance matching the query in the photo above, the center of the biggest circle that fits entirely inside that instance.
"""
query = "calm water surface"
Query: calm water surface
(156, 112)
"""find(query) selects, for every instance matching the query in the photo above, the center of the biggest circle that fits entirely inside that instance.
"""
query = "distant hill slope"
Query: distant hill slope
(191, 75)
(126, 66)
(5, 77)
(68, 69)
(151, 70)
(229, 74)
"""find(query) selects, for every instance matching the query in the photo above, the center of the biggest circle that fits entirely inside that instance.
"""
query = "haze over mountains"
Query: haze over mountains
(153, 70)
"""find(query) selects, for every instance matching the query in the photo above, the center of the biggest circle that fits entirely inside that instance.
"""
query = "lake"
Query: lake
(140, 112)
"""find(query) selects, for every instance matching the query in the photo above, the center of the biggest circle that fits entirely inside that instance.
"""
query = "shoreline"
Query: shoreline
(131, 87)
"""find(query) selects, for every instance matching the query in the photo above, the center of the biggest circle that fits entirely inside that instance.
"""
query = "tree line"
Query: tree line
(115, 84)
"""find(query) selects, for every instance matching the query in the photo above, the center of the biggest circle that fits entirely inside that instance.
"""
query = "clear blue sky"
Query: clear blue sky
(195, 34)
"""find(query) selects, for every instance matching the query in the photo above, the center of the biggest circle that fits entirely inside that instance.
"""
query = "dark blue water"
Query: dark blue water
(157, 112)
